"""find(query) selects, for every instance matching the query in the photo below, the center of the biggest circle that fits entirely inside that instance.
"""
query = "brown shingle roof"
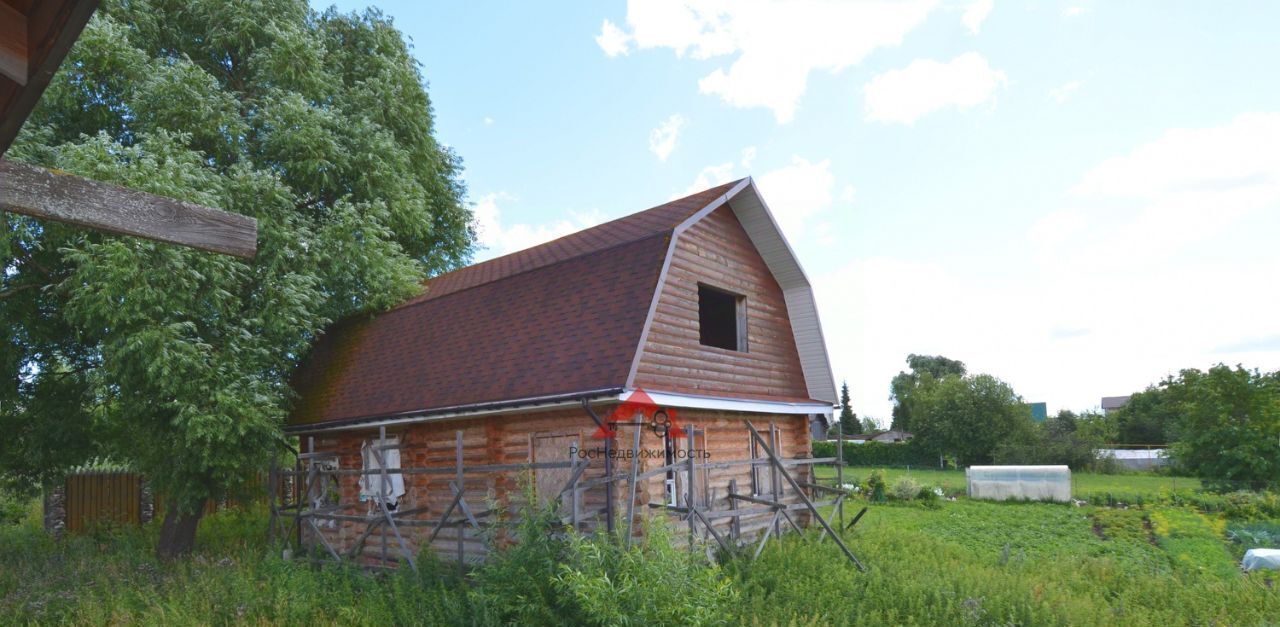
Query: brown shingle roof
(558, 318)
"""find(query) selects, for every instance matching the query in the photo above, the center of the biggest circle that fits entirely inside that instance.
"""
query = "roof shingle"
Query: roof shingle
(562, 317)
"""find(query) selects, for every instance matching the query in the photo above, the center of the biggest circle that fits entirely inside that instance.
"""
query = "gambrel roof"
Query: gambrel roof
(562, 320)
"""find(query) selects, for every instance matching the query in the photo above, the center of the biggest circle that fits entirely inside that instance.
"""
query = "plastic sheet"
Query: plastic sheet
(1029, 483)
(1260, 559)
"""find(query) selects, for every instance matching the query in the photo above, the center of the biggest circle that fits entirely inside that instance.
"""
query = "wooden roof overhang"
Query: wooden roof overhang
(35, 36)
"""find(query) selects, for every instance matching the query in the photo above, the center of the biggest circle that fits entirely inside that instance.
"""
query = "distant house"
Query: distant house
(1112, 403)
(892, 435)
(1039, 411)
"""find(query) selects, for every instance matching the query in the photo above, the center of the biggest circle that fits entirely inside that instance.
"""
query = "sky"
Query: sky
(1080, 198)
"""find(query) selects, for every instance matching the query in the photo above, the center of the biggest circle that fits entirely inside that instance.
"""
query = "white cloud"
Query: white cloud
(1147, 237)
(1135, 210)
(612, 40)
(498, 238)
(976, 13)
(1118, 338)
(926, 86)
(748, 157)
(847, 195)
(1240, 159)
(798, 193)
(709, 177)
(1158, 262)
(488, 121)
(1074, 11)
(1062, 92)
(662, 139)
(778, 43)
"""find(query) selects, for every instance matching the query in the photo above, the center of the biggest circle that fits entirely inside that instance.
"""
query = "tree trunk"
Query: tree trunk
(178, 532)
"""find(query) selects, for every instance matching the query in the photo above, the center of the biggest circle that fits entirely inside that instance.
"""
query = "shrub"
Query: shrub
(879, 454)
(905, 489)
(652, 583)
(517, 581)
(929, 496)
(875, 488)
(547, 578)
(13, 508)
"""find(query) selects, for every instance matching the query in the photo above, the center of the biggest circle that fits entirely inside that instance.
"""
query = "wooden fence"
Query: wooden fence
(96, 498)
(92, 498)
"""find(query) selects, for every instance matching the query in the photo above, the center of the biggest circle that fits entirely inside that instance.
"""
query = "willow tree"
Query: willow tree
(319, 126)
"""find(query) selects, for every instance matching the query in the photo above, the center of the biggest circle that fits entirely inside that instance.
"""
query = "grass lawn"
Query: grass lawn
(962, 562)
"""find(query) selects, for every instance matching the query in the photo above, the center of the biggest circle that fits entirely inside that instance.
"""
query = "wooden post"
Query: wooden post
(271, 500)
(692, 501)
(297, 499)
(839, 468)
(735, 528)
(461, 495)
(774, 479)
(383, 488)
(577, 500)
(635, 470)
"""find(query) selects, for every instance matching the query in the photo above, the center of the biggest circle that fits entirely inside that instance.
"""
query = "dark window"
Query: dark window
(721, 322)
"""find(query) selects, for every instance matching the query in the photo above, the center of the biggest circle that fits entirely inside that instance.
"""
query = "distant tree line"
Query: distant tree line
(1222, 425)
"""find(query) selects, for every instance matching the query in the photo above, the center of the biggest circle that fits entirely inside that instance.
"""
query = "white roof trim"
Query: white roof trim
(694, 401)
(802, 309)
(664, 399)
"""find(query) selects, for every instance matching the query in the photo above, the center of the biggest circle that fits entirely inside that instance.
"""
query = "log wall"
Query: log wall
(717, 252)
(524, 438)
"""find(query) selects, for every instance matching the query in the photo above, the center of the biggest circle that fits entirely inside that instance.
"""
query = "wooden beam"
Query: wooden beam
(52, 28)
(56, 195)
(13, 44)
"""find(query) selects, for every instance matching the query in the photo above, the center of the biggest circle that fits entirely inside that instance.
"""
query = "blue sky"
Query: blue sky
(1077, 197)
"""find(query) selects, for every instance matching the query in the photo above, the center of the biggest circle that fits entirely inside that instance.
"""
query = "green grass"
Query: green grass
(962, 562)
(972, 562)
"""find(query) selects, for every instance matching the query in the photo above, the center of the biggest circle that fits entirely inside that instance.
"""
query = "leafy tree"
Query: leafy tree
(1151, 416)
(175, 360)
(1229, 432)
(1066, 438)
(924, 370)
(849, 423)
(968, 417)
(869, 425)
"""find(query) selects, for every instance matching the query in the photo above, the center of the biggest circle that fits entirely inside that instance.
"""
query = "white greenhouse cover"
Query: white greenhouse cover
(1031, 483)
(1258, 559)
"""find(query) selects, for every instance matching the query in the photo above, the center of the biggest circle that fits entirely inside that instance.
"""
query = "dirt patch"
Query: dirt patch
(1098, 530)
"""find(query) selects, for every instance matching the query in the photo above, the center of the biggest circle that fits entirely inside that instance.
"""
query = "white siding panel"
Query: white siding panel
(798, 294)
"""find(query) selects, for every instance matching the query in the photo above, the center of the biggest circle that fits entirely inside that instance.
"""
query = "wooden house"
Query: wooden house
(655, 340)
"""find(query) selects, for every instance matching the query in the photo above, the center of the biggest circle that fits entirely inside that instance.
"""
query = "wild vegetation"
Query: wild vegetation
(931, 560)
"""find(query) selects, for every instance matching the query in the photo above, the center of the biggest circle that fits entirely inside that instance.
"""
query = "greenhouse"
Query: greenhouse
(1025, 483)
